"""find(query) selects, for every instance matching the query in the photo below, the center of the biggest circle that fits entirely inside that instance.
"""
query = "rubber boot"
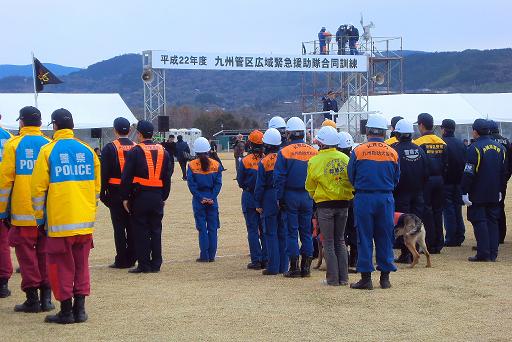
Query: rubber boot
(4, 288)
(384, 280)
(79, 309)
(294, 271)
(305, 266)
(32, 304)
(405, 256)
(365, 283)
(45, 296)
(64, 316)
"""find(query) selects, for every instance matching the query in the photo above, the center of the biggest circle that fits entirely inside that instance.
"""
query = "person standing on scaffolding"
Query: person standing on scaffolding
(341, 39)
(324, 39)
(329, 104)
(353, 38)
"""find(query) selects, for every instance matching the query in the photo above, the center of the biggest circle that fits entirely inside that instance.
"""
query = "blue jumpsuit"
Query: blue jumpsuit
(205, 184)
(374, 172)
(290, 173)
(246, 177)
(483, 179)
(275, 231)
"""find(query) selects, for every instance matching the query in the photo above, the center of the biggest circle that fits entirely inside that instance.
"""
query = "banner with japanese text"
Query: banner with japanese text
(256, 62)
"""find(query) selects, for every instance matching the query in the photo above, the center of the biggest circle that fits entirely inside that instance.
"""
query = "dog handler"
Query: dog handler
(327, 183)
(5, 252)
(482, 182)
(266, 202)
(204, 179)
(290, 173)
(374, 172)
(65, 191)
(26, 235)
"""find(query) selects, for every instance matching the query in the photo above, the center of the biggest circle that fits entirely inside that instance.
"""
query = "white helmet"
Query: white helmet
(328, 136)
(272, 137)
(377, 121)
(405, 127)
(295, 124)
(277, 122)
(346, 140)
(201, 145)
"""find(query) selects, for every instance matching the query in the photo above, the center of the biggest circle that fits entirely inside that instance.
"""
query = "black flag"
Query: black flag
(43, 76)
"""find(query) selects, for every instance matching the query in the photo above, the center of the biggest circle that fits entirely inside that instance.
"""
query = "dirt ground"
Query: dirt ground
(455, 300)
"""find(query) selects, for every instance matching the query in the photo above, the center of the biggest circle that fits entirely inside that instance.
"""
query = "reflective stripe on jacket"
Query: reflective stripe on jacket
(20, 154)
(154, 170)
(66, 181)
(121, 150)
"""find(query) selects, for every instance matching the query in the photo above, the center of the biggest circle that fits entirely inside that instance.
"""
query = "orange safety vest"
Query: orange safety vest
(154, 171)
(121, 150)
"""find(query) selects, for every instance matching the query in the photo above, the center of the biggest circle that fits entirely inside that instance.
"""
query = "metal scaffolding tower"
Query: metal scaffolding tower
(154, 89)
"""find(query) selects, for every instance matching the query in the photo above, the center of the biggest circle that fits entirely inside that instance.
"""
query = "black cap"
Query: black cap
(481, 126)
(394, 120)
(448, 124)
(145, 128)
(493, 127)
(63, 119)
(330, 92)
(425, 119)
(31, 116)
(122, 125)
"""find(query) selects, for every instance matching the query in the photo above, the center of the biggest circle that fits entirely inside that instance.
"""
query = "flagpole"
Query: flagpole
(34, 77)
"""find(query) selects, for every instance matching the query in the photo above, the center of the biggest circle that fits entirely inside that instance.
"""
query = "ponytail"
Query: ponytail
(204, 160)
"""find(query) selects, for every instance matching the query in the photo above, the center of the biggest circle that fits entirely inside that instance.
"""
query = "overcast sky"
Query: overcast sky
(82, 32)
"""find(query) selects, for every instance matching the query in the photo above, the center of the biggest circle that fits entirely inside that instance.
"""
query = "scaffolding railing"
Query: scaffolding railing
(384, 47)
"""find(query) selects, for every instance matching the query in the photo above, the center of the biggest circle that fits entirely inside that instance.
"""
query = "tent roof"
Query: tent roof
(463, 108)
(89, 110)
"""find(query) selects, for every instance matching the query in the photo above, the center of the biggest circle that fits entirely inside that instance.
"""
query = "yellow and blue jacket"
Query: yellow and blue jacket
(327, 178)
(392, 140)
(20, 155)
(66, 181)
(436, 151)
(4, 136)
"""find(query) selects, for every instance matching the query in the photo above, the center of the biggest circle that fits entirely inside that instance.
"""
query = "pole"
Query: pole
(34, 77)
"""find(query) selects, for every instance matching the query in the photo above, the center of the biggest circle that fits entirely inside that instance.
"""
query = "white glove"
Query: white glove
(465, 199)
(500, 197)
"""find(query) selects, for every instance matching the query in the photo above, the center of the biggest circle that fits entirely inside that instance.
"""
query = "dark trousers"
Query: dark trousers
(183, 165)
(502, 219)
(408, 203)
(147, 212)
(484, 219)
(433, 213)
(123, 235)
(452, 214)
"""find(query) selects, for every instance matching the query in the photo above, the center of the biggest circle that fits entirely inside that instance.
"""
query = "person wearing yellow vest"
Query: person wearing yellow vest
(145, 185)
(65, 190)
(328, 185)
(28, 240)
(5, 252)
(392, 136)
(113, 157)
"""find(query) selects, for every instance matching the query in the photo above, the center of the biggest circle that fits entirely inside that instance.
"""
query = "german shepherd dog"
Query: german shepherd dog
(411, 227)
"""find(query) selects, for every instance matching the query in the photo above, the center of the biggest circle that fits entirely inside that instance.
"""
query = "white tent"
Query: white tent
(463, 108)
(89, 110)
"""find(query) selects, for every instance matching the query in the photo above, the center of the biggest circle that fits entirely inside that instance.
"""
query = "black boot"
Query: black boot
(352, 259)
(254, 265)
(79, 309)
(305, 266)
(365, 283)
(45, 296)
(384, 280)
(32, 304)
(405, 256)
(64, 316)
(294, 271)
(4, 288)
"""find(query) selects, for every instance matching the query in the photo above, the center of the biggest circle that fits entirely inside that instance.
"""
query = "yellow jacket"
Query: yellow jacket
(66, 182)
(391, 141)
(327, 178)
(20, 154)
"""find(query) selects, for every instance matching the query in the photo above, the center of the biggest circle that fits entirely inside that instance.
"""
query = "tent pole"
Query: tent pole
(34, 77)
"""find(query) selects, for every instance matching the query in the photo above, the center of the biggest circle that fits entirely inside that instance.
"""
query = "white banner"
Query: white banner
(255, 62)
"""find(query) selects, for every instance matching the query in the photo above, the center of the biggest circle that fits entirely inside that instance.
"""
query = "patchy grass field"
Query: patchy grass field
(455, 300)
